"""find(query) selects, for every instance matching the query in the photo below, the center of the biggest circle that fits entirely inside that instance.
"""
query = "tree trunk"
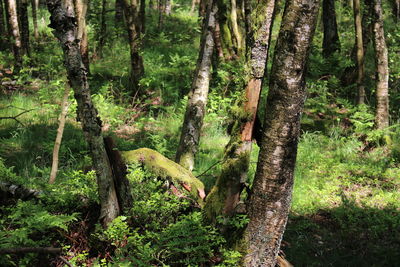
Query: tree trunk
(217, 40)
(193, 7)
(382, 69)
(168, 7)
(15, 33)
(331, 43)
(3, 30)
(235, 28)
(196, 107)
(35, 8)
(23, 15)
(119, 14)
(225, 195)
(131, 11)
(273, 183)
(103, 28)
(360, 52)
(142, 16)
(80, 12)
(60, 132)
(63, 21)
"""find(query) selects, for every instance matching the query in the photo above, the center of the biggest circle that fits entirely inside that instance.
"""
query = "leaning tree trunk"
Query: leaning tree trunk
(382, 69)
(24, 27)
(15, 32)
(63, 21)
(271, 193)
(80, 11)
(131, 11)
(196, 106)
(35, 8)
(331, 43)
(225, 195)
(360, 52)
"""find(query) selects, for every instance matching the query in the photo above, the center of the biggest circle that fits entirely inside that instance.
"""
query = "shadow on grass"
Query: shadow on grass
(348, 235)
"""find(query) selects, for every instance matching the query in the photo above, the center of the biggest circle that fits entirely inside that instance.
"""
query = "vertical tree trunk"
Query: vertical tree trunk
(131, 11)
(3, 30)
(23, 15)
(331, 43)
(60, 132)
(217, 40)
(273, 183)
(35, 8)
(63, 21)
(382, 69)
(142, 16)
(235, 28)
(225, 195)
(196, 106)
(15, 32)
(193, 7)
(103, 28)
(168, 7)
(360, 52)
(80, 12)
(119, 16)
(161, 7)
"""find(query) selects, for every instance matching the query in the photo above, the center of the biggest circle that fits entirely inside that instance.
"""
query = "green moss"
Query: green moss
(167, 169)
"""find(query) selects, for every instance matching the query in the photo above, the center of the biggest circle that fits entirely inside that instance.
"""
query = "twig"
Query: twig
(48, 250)
(16, 116)
(65, 261)
(212, 166)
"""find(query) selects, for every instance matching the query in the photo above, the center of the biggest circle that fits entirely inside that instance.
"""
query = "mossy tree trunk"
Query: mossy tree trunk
(271, 193)
(81, 7)
(196, 106)
(382, 69)
(132, 17)
(24, 26)
(360, 52)
(63, 21)
(35, 8)
(15, 33)
(225, 195)
(331, 43)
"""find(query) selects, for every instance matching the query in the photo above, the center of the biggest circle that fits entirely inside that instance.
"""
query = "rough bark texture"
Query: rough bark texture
(24, 28)
(131, 11)
(35, 8)
(63, 22)
(382, 69)
(360, 52)
(15, 33)
(273, 183)
(225, 196)
(196, 106)
(60, 132)
(331, 43)
(80, 11)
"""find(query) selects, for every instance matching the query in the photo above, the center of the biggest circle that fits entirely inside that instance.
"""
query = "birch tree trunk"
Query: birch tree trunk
(273, 183)
(196, 106)
(63, 22)
(331, 43)
(131, 11)
(15, 32)
(60, 132)
(360, 52)
(35, 8)
(382, 69)
(80, 12)
(225, 195)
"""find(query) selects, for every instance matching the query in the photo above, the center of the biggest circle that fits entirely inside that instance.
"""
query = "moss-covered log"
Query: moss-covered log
(181, 178)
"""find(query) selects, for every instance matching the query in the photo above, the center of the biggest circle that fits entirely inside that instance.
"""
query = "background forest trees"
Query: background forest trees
(192, 81)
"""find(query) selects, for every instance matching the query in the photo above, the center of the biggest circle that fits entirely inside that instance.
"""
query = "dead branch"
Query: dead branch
(16, 116)
(48, 250)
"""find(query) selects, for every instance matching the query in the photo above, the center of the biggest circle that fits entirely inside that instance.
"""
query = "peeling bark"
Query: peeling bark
(225, 195)
(196, 106)
(15, 32)
(63, 21)
(382, 69)
(271, 193)
(331, 43)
